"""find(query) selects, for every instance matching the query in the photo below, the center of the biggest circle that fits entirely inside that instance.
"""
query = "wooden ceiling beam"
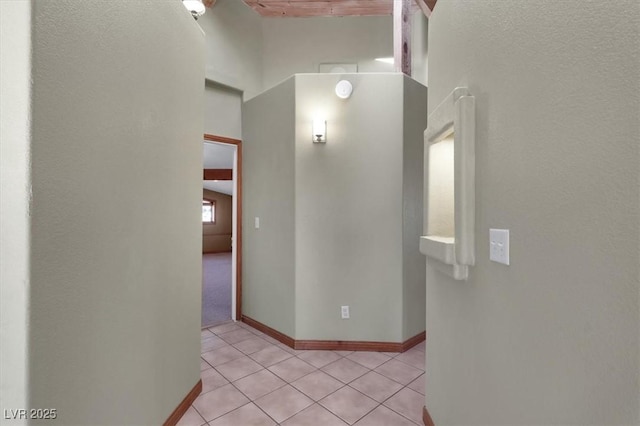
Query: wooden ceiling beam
(402, 36)
(305, 8)
(217, 174)
(308, 8)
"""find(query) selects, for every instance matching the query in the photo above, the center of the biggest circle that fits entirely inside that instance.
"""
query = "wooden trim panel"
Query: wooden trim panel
(182, 408)
(306, 8)
(426, 418)
(354, 345)
(217, 174)
(335, 345)
(348, 345)
(303, 8)
(222, 139)
(418, 338)
(402, 36)
(269, 331)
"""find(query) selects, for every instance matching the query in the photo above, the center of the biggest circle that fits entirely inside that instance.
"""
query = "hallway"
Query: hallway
(216, 288)
(250, 378)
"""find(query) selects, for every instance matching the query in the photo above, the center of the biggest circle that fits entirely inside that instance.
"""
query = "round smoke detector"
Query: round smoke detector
(344, 89)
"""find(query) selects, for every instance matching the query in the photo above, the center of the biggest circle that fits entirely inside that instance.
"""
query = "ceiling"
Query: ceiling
(302, 8)
(222, 186)
(218, 156)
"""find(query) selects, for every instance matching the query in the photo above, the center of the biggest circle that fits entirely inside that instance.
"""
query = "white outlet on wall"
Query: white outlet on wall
(345, 312)
(499, 245)
(257, 223)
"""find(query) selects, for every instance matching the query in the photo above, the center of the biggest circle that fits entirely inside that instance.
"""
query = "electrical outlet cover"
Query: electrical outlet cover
(499, 245)
(344, 310)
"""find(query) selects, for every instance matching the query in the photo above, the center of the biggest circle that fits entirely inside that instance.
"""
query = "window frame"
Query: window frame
(213, 211)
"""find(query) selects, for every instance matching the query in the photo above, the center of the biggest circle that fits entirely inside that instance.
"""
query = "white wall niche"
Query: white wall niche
(450, 185)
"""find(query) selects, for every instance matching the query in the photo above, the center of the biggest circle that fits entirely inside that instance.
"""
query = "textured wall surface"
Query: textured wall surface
(553, 338)
(15, 194)
(349, 208)
(115, 219)
(295, 45)
(251, 53)
(233, 46)
(419, 48)
(268, 257)
(337, 220)
(222, 111)
(414, 122)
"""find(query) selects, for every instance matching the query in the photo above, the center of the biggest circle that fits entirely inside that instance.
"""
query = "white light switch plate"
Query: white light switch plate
(257, 223)
(499, 245)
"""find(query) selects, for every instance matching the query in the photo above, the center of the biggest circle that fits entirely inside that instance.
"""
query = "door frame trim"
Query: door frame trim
(238, 237)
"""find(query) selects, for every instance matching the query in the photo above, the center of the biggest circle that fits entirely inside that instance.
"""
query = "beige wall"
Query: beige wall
(222, 111)
(414, 121)
(112, 329)
(349, 209)
(216, 237)
(15, 134)
(268, 256)
(251, 53)
(340, 215)
(419, 48)
(295, 45)
(233, 46)
(553, 338)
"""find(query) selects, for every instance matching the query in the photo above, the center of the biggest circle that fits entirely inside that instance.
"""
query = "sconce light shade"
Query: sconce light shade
(195, 7)
(344, 89)
(319, 131)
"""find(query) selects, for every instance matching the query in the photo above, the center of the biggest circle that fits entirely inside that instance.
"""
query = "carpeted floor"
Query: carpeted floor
(216, 288)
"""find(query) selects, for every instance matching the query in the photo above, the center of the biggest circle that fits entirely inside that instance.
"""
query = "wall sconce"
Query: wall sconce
(195, 7)
(319, 131)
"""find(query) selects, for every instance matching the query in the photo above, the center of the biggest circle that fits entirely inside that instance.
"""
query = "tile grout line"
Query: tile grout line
(251, 401)
(316, 369)
(201, 416)
(389, 408)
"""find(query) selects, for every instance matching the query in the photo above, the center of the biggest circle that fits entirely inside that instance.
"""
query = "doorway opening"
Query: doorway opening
(221, 230)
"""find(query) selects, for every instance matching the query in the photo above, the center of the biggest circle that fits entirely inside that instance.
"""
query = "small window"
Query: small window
(208, 211)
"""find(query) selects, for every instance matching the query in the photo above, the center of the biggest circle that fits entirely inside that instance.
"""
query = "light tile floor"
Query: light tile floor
(251, 379)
